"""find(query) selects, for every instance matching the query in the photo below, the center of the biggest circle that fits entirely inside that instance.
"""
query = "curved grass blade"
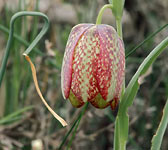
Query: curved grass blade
(20, 39)
(146, 40)
(157, 138)
(122, 120)
(133, 85)
(26, 43)
(10, 38)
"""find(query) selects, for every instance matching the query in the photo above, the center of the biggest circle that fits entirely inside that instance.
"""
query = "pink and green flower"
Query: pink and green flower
(93, 66)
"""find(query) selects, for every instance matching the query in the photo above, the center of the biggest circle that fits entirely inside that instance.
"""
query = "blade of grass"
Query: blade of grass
(130, 90)
(16, 77)
(26, 43)
(146, 40)
(35, 23)
(73, 125)
(8, 108)
(68, 133)
(158, 137)
(76, 127)
(15, 114)
(20, 39)
(12, 120)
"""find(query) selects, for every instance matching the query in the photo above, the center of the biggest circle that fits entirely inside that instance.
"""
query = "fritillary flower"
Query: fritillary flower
(93, 66)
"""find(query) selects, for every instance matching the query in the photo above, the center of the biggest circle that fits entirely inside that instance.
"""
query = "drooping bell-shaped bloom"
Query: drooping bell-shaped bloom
(93, 67)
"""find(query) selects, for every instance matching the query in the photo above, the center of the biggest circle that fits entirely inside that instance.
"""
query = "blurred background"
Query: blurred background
(24, 120)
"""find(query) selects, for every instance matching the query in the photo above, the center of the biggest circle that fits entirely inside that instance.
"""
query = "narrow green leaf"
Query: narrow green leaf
(75, 130)
(11, 33)
(133, 85)
(146, 40)
(122, 123)
(15, 114)
(157, 138)
(74, 125)
(20, 39)
(26, 43)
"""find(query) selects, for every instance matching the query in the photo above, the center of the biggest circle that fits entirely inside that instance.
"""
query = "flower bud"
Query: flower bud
(93, 67)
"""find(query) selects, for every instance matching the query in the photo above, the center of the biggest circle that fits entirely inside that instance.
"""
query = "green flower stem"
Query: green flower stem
(118, 19)
(99, 17)
(76, 123)
(11, 32)
(119, 27)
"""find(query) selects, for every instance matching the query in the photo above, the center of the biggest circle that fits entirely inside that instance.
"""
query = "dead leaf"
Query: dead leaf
(62, 121)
